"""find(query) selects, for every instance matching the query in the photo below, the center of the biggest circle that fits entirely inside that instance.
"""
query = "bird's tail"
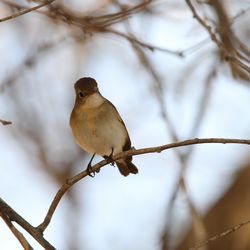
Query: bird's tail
(126, 167)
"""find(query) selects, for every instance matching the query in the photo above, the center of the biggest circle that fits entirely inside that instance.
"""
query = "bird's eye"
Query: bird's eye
(80, 94)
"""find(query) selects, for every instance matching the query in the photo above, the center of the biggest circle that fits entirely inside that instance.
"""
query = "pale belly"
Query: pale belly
(100, 134)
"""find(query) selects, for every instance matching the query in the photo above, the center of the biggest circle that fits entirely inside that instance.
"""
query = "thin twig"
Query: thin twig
(5, 209)
(71, 181)
(109, 19)
(4, 122)
(25, 244)
(223, 234)
(151, 47)
(23, 12)
(94, 23)
(240, 14)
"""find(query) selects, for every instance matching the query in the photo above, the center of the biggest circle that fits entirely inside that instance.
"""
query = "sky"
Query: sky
(117, 212)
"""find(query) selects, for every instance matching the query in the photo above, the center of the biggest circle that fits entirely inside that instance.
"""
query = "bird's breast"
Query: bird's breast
(98, 131)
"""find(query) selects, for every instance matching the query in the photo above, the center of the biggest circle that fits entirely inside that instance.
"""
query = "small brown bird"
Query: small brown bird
(98, 127)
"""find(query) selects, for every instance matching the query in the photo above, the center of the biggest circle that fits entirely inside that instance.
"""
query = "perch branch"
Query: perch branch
(71, 181)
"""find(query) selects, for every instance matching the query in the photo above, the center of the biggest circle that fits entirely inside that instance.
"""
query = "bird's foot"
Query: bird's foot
(90, 171)
(111, 161)
(109, 158)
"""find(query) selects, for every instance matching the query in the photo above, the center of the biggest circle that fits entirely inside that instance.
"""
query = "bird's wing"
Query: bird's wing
(127, 144)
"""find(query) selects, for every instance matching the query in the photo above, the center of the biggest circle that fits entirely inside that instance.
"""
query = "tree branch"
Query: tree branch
(23, 12)
(71, 181)
(225, 233)
(12, 215)
(228, 56)
(17, 234)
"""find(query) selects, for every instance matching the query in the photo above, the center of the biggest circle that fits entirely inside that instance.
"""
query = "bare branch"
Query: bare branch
(4, 122)
(71, 181)
(223, 234)
(212, 34)
(17, 234)
(6, 210)
(109, 19)
(238, 15)
(23, 12)
(151, 47)
(94, 23)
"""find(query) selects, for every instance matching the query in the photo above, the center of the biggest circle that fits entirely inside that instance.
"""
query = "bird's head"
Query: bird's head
(85, 87)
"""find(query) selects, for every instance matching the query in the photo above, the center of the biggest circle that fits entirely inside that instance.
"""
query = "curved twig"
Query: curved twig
(71, 181)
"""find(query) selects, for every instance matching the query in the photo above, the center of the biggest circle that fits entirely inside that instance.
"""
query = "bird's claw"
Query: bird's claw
(110, 159)
(90, 171)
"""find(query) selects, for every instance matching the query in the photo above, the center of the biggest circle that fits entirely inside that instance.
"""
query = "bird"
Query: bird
(98, 127)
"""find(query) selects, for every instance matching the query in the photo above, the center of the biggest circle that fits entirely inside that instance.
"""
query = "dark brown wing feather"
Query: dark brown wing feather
(127, 144)
(125, 166)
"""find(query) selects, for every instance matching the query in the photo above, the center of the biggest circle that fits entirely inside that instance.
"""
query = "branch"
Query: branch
(12, 215)
(239, 14)
(225, 233)
(71, 181)
(94, 22)
(148, 46)
(4, 122)
(25, 244)
(23, 12)
(228, 55)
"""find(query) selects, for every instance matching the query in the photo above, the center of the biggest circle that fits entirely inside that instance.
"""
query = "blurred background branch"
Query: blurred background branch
(23, 12)
(223, 234)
